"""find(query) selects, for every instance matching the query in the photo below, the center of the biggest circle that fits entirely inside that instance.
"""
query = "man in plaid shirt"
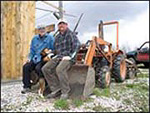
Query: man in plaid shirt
(55, 71)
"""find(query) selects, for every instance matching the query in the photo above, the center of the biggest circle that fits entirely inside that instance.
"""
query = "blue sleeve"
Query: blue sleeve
(32, 51)
(51, 43)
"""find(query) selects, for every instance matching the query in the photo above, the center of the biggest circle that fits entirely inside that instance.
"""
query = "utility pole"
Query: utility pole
(61, 9)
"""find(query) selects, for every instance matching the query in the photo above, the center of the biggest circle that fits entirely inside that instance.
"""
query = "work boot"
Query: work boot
(25, 90)
(54, 94)
(64, 96)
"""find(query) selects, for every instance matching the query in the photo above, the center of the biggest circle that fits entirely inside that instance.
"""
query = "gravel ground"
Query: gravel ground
(122, 98)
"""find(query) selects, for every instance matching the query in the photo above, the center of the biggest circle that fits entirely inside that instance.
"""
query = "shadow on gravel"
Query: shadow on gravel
(142, 67)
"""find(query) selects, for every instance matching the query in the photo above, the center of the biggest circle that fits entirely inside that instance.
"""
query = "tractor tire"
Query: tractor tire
(131, 72)
(104, 77)
(119, 68)
(132, 59)
(98, 64)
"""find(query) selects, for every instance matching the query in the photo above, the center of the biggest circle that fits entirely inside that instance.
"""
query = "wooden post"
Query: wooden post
(18, 24)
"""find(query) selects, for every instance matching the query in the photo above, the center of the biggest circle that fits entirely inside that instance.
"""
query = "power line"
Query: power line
(55, 11)
(44, 10)
(70, 15)
(43, 16)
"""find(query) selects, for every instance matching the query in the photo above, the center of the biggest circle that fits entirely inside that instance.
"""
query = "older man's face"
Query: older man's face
(62, 26)
(42, 31)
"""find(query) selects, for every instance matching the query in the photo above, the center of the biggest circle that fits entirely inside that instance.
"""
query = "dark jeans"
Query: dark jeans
(55, 73)
(28, 68)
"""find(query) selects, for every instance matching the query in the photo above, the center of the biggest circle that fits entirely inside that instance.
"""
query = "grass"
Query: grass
(40, 98)
(116, 96)
(144, 87)
(143, 75)
(102, 92)
(101, 109)
(28, 101)
(127, 101)
(140, 96)
(64, 104)
(88, 100)
(138, 86)
(61, 104)
(131, 85)
(8, 107)
(46, 110)
(141, 101)
(77, 102)
(87, 107)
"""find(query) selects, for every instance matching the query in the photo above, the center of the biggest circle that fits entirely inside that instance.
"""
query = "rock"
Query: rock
(93, 96)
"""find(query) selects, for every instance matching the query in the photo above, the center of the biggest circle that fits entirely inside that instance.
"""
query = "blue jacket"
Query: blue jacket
(38, 44)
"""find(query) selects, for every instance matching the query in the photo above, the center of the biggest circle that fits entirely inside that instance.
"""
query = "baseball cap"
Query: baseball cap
(42, 26)
(62, 20)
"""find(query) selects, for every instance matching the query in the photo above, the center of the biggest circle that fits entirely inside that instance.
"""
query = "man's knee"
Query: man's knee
(49, 67)
(44, 68)
(37, 69)
(60, 69)
(26, 66)
(63, 67)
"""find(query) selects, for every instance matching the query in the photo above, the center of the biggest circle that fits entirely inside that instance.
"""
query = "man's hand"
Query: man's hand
(47, 51)
(28, 61)
(66, 58)
(45, 59)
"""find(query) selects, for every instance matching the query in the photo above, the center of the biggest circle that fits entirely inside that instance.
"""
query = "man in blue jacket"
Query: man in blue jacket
(35, 62)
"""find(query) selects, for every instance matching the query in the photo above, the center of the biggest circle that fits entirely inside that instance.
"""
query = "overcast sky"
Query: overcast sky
(133, 18)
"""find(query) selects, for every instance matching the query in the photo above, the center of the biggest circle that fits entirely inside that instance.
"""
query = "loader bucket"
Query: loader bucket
(82, 80)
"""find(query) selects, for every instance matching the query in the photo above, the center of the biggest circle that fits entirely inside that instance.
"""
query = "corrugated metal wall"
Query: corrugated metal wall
(18, 28)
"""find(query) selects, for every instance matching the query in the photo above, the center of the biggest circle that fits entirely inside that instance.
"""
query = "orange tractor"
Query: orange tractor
(106, 63)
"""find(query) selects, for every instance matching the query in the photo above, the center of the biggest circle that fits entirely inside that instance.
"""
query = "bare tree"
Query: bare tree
(125, 48)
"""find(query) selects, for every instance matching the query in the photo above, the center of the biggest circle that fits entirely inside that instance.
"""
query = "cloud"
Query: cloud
(131, 33)
(98, 10)
(86, 36)
(132, 15)
(136, 31)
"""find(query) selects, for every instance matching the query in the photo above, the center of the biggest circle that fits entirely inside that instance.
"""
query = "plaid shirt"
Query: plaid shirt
(66, 44)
